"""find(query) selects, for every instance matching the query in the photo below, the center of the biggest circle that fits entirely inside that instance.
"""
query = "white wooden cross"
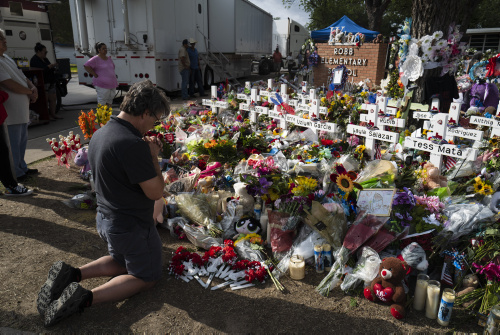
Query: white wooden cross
(213, 103)
(483, 121)
(371, 135)
(437, 151)
(452, 132)
(421, 111)
(381, 101)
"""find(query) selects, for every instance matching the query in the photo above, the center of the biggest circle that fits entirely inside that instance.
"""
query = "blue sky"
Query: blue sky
(277, 9)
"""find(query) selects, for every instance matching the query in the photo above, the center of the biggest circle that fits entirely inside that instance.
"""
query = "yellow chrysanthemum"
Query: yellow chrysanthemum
(398, 114)
(345, 183)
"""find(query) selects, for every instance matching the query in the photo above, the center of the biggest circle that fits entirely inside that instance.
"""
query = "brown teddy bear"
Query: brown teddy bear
(388, 286)
(434, 178)
(469, 284)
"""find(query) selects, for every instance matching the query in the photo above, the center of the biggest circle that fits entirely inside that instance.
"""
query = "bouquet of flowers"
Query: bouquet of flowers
(86, 121)
(103, 114)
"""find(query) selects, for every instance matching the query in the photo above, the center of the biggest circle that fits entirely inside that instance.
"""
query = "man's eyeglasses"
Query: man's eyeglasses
(158, 121)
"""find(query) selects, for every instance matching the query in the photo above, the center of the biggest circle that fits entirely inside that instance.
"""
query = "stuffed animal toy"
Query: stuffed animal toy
(495, 202)
(469, 284)
(245, 199)
(388, 285)
(205, 184)
(379, 39)
(248, 225)
(484, 95)
(81, 159)
(434, 178)
(414, 255)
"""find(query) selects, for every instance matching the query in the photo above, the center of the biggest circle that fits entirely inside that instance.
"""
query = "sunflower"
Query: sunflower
(360, 148)
(494, 141)
(344, 179)
(479, 186)
(487, 190)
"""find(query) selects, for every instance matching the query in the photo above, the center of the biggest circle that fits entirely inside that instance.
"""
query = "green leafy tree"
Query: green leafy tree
(60, 20)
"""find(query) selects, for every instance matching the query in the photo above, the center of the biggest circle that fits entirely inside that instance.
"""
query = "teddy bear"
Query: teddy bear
(205, 184)
(434, 178)
(388, 285)
(469, 284)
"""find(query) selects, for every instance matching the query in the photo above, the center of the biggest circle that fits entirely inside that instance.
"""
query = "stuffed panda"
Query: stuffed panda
(248, 225)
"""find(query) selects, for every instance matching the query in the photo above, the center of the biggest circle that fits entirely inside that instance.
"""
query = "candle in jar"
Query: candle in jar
(432, 300)
(446, 306)
(420, 292)
(297, 267)
(318, 258)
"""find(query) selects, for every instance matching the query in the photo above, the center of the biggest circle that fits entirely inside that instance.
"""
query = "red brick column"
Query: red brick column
(369, 61)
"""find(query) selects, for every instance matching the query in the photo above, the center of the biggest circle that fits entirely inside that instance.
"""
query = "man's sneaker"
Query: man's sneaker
(73, 299)
(60, 276)
(17, 191)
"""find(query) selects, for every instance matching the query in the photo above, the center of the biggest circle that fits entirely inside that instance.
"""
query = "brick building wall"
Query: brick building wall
(366, 61)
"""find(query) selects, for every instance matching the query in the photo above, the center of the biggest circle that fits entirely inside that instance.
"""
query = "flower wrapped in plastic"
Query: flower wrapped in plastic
(332, 226)
(365, 271)
(197, 207)
(463, 219)
(199, 236)
(359, 232)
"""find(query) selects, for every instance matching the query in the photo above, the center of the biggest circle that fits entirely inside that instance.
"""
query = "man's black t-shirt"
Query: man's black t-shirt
(120, 160)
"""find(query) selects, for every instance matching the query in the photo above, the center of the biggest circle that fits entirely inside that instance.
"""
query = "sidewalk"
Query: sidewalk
(79, 98)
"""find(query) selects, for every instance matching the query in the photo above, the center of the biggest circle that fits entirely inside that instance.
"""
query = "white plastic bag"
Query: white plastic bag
(365, 271)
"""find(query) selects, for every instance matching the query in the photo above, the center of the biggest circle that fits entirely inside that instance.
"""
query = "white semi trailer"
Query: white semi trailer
(144, 37)
(289, 36)
(25, 23)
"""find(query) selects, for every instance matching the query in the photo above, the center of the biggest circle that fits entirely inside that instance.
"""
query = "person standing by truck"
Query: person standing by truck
(184, 68)
(40, 61)
(277, 58)
(195, 75)
(103, 69)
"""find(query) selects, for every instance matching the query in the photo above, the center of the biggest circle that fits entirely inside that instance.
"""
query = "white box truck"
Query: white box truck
(144, 37)
(288, 36)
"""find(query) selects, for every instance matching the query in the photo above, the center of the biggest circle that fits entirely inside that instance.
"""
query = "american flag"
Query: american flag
(378, 152)
(450, 162)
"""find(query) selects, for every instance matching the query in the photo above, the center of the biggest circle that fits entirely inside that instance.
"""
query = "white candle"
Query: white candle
(297, 267)
(446, 306)
(432, 300)
(420, 292)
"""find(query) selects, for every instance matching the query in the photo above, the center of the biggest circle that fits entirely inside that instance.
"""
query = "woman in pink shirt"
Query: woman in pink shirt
(102, 68)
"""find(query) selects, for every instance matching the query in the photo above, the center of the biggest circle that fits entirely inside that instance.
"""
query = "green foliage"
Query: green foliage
(324, 13)
(222, 151)
(256, 142)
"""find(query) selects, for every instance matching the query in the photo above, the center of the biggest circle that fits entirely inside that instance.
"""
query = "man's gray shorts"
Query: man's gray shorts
(132, 245)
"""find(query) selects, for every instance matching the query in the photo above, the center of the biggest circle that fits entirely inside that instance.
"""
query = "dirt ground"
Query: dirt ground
(36, 231)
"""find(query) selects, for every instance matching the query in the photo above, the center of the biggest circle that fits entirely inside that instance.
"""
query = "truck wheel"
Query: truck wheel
(209, 77)
(264, 67)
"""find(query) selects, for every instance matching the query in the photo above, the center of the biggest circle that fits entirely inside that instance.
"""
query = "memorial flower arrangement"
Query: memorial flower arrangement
(103, 114)
(87, 123)
(221, 150)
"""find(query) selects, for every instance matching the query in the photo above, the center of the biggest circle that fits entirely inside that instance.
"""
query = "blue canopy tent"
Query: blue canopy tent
(349, 27)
